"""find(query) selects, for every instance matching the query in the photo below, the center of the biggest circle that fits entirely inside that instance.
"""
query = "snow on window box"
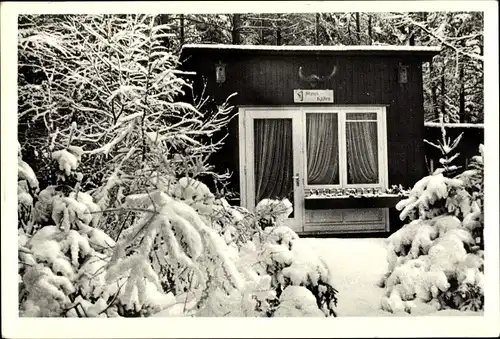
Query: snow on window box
(382, 201)
(354, 198)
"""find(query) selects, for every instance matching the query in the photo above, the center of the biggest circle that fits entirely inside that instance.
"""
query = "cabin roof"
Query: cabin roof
(384, 50)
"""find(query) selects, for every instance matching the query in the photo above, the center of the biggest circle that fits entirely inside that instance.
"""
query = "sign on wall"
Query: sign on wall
(313, 95)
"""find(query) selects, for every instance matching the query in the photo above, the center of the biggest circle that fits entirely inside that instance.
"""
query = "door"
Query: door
(270, 152)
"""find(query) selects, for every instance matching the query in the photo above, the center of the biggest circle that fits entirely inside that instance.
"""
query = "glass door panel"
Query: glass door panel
(273, 159)
(273, 141)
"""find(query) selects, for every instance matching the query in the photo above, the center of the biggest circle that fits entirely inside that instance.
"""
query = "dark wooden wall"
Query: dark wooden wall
(269, 80)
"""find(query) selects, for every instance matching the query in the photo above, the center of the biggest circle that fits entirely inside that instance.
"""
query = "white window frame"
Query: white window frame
(380, 110)
(381, 145)
(341, 112)
(316, 110)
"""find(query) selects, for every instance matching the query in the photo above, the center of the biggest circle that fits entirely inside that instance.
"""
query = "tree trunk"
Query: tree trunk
(261, 31)
(370, 38)
(461, 94)
(412, 39)
(235, 33)
(181, 29)
(423, 37)
(164, 19)
(317, 29)
(328, 23)
(358, 27)
(278, 36)
(442, 90)
(349, 29)
(461, 99)
(434, 111)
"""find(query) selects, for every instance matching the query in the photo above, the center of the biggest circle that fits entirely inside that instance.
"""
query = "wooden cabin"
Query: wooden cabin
(331, 128)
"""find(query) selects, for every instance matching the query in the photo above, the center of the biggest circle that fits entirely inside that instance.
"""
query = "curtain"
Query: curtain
(273, 159)
(362, 156)
(322, 149)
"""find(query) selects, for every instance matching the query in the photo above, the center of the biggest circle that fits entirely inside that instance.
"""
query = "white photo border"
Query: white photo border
(15, 327)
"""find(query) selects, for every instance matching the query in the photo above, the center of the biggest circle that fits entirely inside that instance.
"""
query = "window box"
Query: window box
(344, 202)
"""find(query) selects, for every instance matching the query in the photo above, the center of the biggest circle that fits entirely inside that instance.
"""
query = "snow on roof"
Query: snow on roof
(389, 49)
(453, 125)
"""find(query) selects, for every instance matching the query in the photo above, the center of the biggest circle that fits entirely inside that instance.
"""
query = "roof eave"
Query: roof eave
(423, 52)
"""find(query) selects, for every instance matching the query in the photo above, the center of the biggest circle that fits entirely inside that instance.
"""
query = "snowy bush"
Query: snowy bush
(269, 260)
(62, 266)
(446, 147)
(271, 212)
(27, 187)
(119, 224)
(290, 263)
(227, 276)
(437, 259)
(71, 268)
(297, 301)
(183, 240)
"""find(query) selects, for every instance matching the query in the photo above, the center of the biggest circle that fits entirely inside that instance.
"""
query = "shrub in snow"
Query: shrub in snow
(271, 212)
(63, 259)
(291, 263)
(74, 269)
(437, 258)
(297, 301)
(271, 260)
(67, 160)
(181, 232)
(63, 269)
(119, 169)
(446, 147)
(268, 261)
(177, 238)
(27, 187)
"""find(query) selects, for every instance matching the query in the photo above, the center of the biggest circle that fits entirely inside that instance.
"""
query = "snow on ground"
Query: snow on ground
(357, 266)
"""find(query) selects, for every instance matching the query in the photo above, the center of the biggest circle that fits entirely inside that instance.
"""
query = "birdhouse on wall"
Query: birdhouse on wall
(402, 74)
(220, 73)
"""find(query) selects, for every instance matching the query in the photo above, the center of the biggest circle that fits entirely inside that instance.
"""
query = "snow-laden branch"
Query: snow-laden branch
(443, 40)
(454, 125)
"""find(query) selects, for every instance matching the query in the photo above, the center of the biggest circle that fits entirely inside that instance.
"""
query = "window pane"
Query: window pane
(361, 116)
(273, 159)
(322, 149)
(362, 152)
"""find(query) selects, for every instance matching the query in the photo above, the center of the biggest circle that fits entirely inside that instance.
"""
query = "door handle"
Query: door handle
(297, 179)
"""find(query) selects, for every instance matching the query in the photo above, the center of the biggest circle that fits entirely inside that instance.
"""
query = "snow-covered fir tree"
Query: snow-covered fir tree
(436, 261)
